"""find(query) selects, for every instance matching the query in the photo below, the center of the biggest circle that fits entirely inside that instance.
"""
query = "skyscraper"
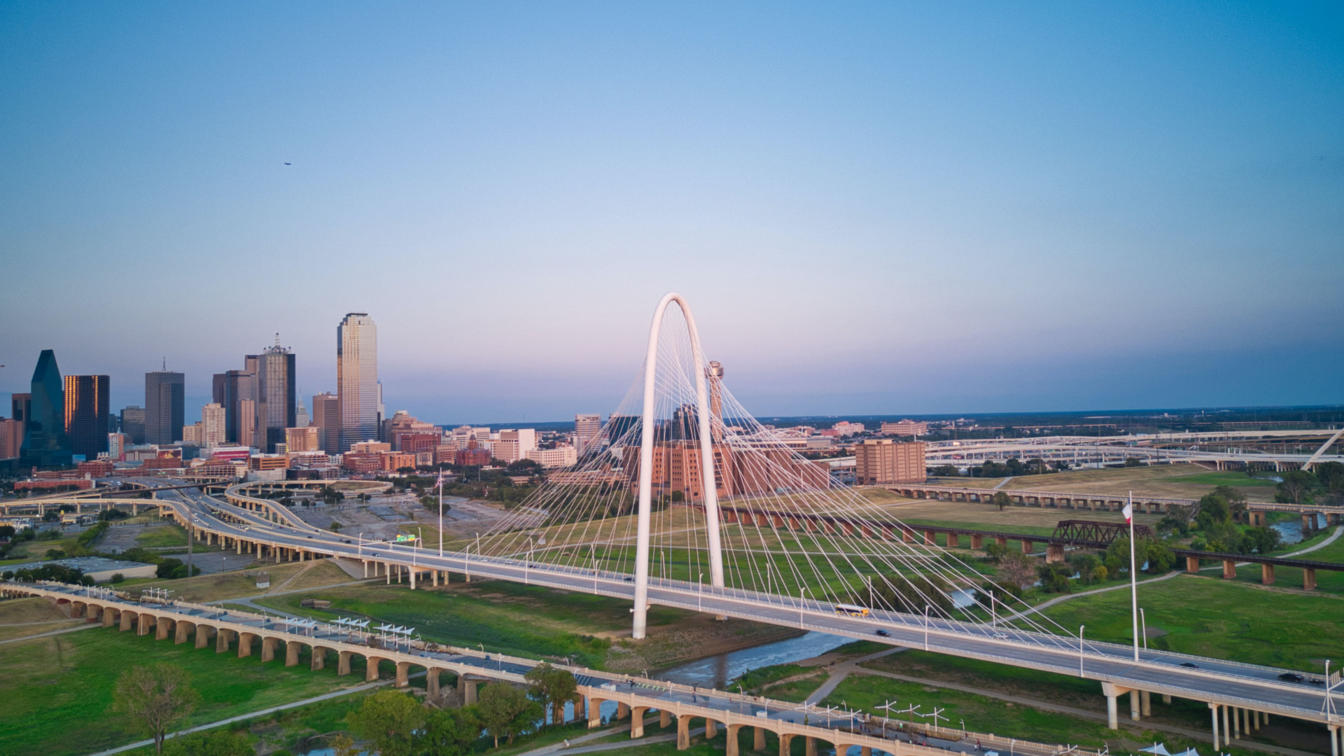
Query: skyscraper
(327, 418)
(357, 387)
(587, 428)
(133, 423)
(86, 413)
(45, 443)
(21, 406)
(164, 406)
(230, 389)
(276, 405)
(212, 426)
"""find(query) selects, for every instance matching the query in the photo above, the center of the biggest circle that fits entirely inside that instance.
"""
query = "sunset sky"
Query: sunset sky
(886, 208)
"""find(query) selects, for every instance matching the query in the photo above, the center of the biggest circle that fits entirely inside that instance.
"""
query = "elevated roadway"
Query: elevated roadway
(1221, 684)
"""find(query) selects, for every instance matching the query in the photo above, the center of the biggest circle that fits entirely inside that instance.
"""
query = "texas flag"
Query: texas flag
(1128, 512)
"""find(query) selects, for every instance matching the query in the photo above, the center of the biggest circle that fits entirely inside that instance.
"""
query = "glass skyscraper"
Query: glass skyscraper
(44, 441)
(357, 378)
(277, 405)
(86, 413)
(164, 406)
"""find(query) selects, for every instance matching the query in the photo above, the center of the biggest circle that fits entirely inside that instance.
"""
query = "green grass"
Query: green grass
(1235, 479)
(163, 536)
(58, 690)
(1210, 617)
(526, 621)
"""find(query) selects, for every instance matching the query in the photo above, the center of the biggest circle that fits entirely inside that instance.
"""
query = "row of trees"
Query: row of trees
(155, 698)
(1325, 481)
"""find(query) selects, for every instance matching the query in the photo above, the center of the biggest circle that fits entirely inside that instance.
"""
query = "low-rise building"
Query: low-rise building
(905, 428)
(100, 569)
(560, 456)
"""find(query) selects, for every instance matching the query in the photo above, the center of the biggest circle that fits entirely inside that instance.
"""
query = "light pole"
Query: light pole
(700, 597)
(1143, 622)
(1080, 649)
(801, 591)
(440, 513)
(926, 627)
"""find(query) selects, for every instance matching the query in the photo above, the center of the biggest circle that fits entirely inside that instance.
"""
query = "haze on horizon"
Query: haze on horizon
(873, 209)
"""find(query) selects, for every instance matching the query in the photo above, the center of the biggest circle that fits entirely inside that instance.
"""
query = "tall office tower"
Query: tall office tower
(276, 405)
(247, 423)
(301, 418)
(587, 428)
(133, 423)
(230, 389)
(21, 406)
(86, 414)
(212, 426)
(44, 442)
(327, 418)
(164, 406)
(9, 430)
(357, 386)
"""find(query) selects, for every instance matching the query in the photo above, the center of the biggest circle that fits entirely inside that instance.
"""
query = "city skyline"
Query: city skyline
(882, 210)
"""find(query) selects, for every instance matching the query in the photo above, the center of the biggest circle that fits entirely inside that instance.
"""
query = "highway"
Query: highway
(1214, 681)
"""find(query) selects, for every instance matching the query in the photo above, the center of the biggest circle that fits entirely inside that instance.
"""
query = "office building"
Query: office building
(10, 439)
(213, 423)
(587, 429)
(21, 405)
(402, 424)
(87, 414)
(164, 406)
(513, 445)
(301, 419)
(230, 389)
(277, 407)
(116, 446)
(884, 461)
(192, 434)
(301, 439)
(133, 423)
(327, 419)
(45, 443)
(357, 387)
(905, 428)
(560, 456)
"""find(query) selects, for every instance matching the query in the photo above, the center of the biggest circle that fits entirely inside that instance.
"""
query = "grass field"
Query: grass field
(243, 583)
(58, 690)
(163, 536)
(1207, 616)
(1026, 520)
(1174, 481)
(537, 622)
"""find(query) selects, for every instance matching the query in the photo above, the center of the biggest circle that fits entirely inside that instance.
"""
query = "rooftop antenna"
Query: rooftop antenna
(165, 363)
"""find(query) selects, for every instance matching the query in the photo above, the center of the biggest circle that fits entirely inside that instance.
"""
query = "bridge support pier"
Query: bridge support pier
(1166, 699)
(1213, 707)
(952, 540)
(1335, 735)
(1054, 553)
(343, 662)
(594, 706)
(683, 732)
(1192, 564)
(403, 674)
(637, 722)
(785, 743)
(292, 653)
(711, 729)
(1309, 579)
(1229, 569)
(732, 746)
(810, 747)
(1112, 692)
(1267, 574)
(1146, 703)
(371, 668)
(758, 739)
(1134, 705)
(622, 710)
(664, 718)
(319, 660)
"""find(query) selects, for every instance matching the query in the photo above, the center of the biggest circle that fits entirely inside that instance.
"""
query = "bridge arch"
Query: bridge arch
(646, 461)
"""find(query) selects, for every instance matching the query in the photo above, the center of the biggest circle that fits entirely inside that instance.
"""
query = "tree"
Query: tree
(1236, 502)
(153, 698)
(1331, 476)
(389, 719)
(344, 745)
(1017, 569)
(506, 711)
(450, 732)
(1295, 488)
(212, 743)
(1213, 510)
(552, 688)
(1054, 578)
(1001, 500)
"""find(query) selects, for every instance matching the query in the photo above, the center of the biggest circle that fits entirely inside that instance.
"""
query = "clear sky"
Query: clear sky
(873, 207)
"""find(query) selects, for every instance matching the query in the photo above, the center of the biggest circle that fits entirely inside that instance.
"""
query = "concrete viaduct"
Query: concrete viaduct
(245, 634)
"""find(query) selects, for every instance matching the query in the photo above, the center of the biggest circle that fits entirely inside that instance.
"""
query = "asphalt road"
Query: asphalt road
(1209, 680)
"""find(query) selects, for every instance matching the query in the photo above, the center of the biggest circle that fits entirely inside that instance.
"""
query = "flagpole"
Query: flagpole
(440, 512)
(1133, 575)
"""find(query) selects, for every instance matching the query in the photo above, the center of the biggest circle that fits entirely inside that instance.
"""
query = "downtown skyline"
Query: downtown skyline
(877, 211)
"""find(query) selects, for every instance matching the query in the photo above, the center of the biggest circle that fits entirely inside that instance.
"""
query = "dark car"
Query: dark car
(1292, 677)
(884, 633)
(629, 580)
(1190, 665)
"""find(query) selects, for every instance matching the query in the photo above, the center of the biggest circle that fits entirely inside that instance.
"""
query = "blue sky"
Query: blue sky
(875, 208)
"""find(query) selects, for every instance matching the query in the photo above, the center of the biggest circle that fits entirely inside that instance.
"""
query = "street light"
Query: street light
(1080, 649)
(700, 598)
(800, 609)
(926, 627)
